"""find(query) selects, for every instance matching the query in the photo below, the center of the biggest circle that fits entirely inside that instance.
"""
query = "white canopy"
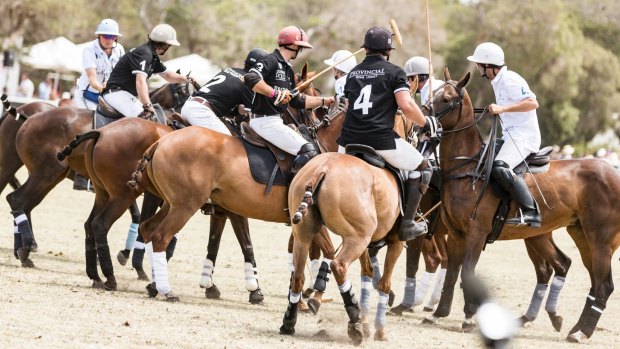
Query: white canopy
(59, 54)
(202, 70)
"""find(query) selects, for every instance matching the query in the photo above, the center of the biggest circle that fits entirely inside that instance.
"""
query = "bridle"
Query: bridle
(180, 94)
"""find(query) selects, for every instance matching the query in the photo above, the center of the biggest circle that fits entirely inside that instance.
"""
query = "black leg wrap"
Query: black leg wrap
(351, 305)
(91, 263)
(138, 257)
(290, 319)
(322, 277)
(17, 243)
(105, 261)
(170, 249)
(584, 312)
(592, 316)
(24, 229)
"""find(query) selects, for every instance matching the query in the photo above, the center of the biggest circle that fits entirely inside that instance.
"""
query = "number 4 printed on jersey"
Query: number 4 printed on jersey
(363, 101)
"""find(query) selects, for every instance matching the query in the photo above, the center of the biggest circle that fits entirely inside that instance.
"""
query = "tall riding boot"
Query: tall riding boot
(529, 213)
(307, 152)
(409, 229)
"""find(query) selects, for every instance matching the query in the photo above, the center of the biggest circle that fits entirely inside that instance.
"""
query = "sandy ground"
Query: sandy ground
(53, 305)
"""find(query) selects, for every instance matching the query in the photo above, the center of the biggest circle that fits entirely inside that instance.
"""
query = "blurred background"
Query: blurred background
(568, 51)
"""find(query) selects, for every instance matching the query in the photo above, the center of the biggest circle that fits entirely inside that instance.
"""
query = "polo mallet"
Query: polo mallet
(430, 64)
(301, 87)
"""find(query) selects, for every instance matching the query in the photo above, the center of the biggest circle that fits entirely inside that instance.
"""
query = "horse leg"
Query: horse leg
(376, 272)
(473, 249)
(216, 228)
(394, 250)
(414, 249)
(456, 250)
(543, 274)
(90, 246)
(132, 234)
(561, 264)
(22, 201)
(149, 206)
(597, 254)
(242, 232)
(352, 249)
(440, 241)
(14, 183)
(301, 245)
(432, 260)
(324, 242)
(366, 287)
(101, 224)
(315, 263)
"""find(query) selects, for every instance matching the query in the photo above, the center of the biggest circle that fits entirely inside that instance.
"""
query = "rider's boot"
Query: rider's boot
(306, 152)
(416, 187)
(529, 213)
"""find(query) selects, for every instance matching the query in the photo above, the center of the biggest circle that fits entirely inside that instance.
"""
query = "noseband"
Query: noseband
(180, 94)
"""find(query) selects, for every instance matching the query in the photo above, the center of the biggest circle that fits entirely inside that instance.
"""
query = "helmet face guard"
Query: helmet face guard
(378, 39)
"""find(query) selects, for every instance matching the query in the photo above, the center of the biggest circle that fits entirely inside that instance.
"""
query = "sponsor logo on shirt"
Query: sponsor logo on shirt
(367, 74)
(280, 75)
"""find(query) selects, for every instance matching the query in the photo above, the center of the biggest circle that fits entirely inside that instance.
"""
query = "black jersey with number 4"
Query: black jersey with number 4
(225, 91)
(370, 89)
(140, 60)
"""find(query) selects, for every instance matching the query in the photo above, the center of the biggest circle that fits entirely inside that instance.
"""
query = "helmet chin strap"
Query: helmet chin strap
(286, 47)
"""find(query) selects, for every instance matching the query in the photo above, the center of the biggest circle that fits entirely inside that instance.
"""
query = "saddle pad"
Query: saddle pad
(262, 162)
(99, 120)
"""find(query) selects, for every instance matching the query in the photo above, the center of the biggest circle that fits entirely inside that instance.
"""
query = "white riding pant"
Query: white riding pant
(404, 157)
(82, 103)
(198, 114)
(124, 102)
(514, 151)
(273, 129)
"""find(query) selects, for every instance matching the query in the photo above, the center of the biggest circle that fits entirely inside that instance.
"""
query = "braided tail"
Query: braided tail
(10, 109)
(136, 177)
(94, 134)
(308, 199)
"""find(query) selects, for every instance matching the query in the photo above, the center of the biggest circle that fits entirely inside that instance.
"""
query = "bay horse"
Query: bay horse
(41, 137)
(213, 166)
(582, 194)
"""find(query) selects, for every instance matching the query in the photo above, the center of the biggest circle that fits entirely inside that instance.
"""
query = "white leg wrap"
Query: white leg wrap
(149, 254)
(251, 277)
(294, 297)
(381, 310)
(139, 245)
(160, 269)
(366, 287)
(441, 276)
(422, 288)
(315, 264)
(206, 278)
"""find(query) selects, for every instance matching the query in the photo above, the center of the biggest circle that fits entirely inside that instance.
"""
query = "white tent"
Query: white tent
(59, 54)
(202, 70)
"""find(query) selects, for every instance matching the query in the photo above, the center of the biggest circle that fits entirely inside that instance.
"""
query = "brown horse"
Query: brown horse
(41, 137)
(582, 195)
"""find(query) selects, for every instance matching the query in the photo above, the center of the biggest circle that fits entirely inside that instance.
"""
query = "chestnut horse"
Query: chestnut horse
(41, 137)
(582, 195)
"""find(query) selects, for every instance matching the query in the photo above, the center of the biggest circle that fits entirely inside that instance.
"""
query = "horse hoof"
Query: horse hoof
(151, 289)
(399, 310)
(27, 263)
(366, 329)
(212, 292)
(307, 293)
(577, 337)
(98, 284)
(141, 274)
(391, 297)
(381, 336)
(556, 321)
(171, 298)
(468, 325)
(34, 248)
(314, 305)
(303, 306)
(110, 285)
(24, 259)
(523, 320)
(428, 309)
(430, 320)
(122, 259)
(256, 296)
(356, 332)
(289, 331)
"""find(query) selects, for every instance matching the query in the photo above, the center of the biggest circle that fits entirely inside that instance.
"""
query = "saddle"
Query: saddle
(268, 164)
(534, 163)
(105, 114)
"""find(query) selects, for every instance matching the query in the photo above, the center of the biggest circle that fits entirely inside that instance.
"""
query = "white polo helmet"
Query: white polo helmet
(488, 53)
(346, 65)
(417, 65)
(108, 26)
(164, 33)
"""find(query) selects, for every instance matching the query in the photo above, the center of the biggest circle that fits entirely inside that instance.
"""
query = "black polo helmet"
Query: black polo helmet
(378, 39)
(255, 55)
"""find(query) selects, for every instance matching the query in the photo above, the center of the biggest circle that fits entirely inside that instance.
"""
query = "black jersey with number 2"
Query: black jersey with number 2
(370, 89)
(225, 91)
(140, 60)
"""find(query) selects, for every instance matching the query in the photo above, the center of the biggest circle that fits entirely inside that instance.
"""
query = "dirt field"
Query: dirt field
(53, 306)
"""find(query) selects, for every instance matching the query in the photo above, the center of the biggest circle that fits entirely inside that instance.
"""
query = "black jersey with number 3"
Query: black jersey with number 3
(140, 60)
(370, 89)
(225, 91)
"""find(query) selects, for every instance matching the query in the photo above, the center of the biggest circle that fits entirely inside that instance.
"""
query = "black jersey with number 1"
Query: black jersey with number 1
(225, 91)
(371, 87)
(140, 60)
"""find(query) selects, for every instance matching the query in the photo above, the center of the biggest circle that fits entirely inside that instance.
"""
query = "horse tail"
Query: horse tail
(94, 134)
(137, 177)
(10, 109)
(311, 188)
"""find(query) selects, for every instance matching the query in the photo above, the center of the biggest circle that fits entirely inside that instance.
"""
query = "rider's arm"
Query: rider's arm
(143, 89)
(92, 79)
(174, 77)
(521, 106)
(409, 107)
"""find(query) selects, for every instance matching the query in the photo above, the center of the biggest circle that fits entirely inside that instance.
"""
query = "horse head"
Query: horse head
(451, 103)
(173, 96)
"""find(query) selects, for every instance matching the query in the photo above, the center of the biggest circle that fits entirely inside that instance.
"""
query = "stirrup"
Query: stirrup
(520, 221)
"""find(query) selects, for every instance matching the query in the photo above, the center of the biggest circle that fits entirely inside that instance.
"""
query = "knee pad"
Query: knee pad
(502, 173)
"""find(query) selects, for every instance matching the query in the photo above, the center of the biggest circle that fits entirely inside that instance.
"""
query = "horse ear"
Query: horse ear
(179, 71)
(446, 74)
(304, 72)
(463, 82)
